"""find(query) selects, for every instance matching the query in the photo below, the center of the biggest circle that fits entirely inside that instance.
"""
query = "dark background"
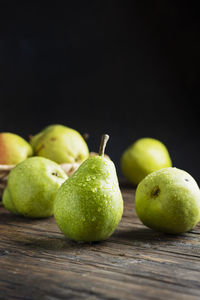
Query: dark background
(127, 68)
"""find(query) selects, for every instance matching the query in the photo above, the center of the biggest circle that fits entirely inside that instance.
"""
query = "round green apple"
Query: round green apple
(60, 144)
(168, 200)
(13, 149)
(144, 156)
(32, 187)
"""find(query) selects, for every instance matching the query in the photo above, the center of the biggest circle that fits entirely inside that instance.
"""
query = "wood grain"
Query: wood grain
(38, 262)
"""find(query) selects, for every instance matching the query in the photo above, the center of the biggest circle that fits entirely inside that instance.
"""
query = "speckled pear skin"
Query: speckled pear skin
(143, 157)
(8, 203)
(32, 187)
(60, 144)
(168, 200)
(13, 149)
(88, 206)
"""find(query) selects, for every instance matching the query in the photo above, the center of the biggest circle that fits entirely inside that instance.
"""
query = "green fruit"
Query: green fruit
(144, 156)
(8, 203)
(32, 187)
(89, 205)
(168, 200)
(13, 149)
(60, 144)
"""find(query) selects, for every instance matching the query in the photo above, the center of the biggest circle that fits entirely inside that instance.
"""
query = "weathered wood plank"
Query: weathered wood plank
(38, 262)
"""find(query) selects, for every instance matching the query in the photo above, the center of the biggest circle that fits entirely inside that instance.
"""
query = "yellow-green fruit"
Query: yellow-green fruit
(32, 187)
(168, 200)
(89, 205)
(60, 144)
(13, 149)
(8, 202)
(143, 157)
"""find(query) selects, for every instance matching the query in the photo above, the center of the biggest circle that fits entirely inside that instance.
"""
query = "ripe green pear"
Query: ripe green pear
(60, 144)
(13, 149)
(88, 206)
(32, 187)
(144, 156)
(168, 200)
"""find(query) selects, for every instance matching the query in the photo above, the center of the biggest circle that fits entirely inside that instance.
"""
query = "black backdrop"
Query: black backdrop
(127, 68)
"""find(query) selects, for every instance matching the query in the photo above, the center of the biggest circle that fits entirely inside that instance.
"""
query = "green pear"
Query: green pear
(144, 156)
(8, 203)
(13, 149)
(89, 205)
(168, 200)
(32, 187)
(60, 144)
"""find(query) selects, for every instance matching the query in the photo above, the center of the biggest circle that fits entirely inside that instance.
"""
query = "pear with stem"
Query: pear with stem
(88, 206)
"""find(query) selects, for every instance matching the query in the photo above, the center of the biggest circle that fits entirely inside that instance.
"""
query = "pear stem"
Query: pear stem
(104, 139)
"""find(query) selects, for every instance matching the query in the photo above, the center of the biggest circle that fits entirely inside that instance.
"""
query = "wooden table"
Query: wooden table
(38, 262)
